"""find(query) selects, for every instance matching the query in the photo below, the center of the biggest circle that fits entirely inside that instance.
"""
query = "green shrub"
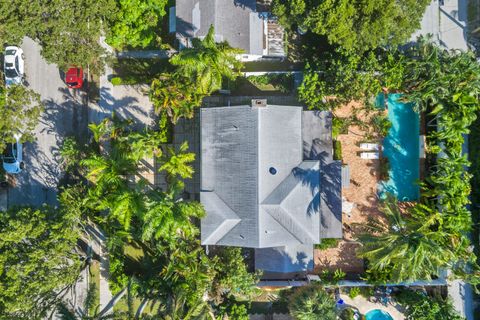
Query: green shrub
(347, 314)
(69, 152)
(116, 81)
(338, 275)
(420, 306)
(337, 150)
(355, 291)
(309, 302)
(282, 82)
(327, 244)
(381, 124)
(366, 292)
(339, 126)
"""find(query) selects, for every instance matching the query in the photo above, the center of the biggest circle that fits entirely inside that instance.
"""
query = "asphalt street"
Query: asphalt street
(65, 114)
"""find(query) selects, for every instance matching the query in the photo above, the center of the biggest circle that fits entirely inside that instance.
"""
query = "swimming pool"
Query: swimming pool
(401, 147)
(378, 314)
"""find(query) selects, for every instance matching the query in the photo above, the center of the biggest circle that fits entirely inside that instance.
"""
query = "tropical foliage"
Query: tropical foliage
(419, 306)
(207, 62)
(354, 25)
(171, 266)
(175, 95)
(199, 72)
(20, 108)
(69, 31)
(447, 86)
(38, 261)
(136, 23)
(404, 238)
(312, 303)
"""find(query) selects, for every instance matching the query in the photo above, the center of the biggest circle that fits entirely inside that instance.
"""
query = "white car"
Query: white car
(13, 65)
(13, 158)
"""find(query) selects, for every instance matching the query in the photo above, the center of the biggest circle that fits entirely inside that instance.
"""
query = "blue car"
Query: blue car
(12, 157)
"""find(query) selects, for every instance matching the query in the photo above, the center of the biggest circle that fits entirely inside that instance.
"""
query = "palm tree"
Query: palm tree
(108, 171)
(178, 163)
(174, 94)
(123, 205)
(312, 303)
(175, 307)
(410, 247)
(206, 62)
(165, 216)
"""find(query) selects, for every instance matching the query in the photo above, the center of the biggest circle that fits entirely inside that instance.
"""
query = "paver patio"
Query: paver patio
(362, 193)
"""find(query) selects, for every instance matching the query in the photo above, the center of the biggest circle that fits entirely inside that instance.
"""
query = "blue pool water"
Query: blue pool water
(401, 147)
(378, 314)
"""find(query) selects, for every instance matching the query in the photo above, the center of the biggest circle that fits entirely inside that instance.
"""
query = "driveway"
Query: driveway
(65, 115)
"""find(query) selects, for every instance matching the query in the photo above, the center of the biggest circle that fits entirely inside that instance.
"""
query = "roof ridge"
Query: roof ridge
(279, 214)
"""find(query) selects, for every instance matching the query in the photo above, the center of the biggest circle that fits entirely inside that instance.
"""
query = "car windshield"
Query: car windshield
(8, 154)
(73, 84)
(10, 52)
(11, 73)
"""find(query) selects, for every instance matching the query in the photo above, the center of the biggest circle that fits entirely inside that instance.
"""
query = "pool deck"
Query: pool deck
(362, 193)
(364, 305)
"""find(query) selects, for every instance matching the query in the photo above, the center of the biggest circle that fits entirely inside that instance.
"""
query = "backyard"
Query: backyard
(360, 198)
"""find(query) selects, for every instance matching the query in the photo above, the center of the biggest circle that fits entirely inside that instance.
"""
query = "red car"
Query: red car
(74, 78)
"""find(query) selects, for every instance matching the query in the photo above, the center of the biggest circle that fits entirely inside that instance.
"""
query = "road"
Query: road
(65, 114)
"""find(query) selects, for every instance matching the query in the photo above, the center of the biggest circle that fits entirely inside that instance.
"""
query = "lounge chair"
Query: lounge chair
(369, 155)
(370, 146)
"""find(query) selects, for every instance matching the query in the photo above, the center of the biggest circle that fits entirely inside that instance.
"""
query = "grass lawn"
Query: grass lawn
(94, 273)
(269, 84)
(122, 306)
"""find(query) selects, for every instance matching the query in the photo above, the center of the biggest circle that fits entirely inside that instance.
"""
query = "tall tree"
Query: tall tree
(207, 62)
(136, 23)
(312, 303)
(359, 25)
(38, 261)
(20, 108)
(407, 247)
(174, 94)
(68, 31)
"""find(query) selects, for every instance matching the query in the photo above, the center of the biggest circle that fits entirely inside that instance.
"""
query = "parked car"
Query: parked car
(74, 78)
(13, 65)
(12, 157)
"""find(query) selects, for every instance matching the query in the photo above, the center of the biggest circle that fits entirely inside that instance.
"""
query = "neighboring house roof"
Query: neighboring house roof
(262, 170)
(235, 21)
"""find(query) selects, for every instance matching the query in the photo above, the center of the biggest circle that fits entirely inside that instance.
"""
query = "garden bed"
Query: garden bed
(268, 84)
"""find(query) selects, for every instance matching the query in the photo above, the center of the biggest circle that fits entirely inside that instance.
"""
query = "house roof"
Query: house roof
(257, 186)
(235, 21)
(290, 262)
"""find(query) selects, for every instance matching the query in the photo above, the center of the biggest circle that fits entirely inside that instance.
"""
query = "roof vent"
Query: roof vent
(272, 171)
(259, 103)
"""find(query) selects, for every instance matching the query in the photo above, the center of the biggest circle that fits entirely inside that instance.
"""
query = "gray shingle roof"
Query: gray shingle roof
(317, 142)
(284, 262)
(235, 21)
(246, 204)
